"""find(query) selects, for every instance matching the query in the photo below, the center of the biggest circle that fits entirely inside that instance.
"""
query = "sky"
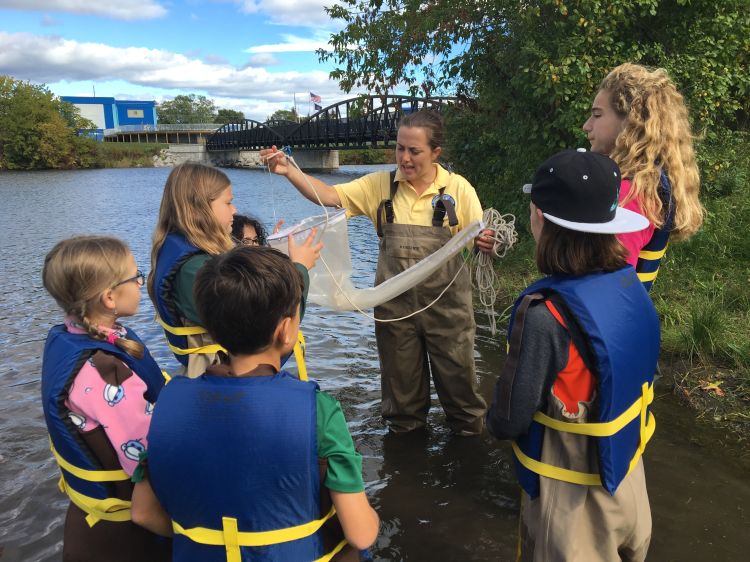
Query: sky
(248, 55)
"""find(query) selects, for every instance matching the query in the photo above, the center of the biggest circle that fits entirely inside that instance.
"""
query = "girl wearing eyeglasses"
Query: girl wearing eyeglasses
(99, 383)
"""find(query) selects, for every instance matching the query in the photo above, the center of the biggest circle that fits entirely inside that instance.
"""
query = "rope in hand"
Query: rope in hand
(505, 236)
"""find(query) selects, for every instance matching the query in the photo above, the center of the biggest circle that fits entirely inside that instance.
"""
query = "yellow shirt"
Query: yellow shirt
(363, 196)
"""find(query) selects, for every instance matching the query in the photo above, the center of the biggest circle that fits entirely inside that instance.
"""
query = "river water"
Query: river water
(440, 498)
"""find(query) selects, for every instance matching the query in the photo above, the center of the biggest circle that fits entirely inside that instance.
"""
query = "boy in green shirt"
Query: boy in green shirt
(252, 444)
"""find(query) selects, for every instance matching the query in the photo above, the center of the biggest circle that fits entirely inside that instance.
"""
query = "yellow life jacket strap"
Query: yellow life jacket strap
(644, 277)
(108, 509)
(232, 538)
(299, 356)
(649, 255)
(181, 330)
(647, 428)
(90, 475)
(204, 349)
(602, 429)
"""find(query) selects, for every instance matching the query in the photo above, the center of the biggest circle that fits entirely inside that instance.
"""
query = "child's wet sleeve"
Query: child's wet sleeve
(335, 444)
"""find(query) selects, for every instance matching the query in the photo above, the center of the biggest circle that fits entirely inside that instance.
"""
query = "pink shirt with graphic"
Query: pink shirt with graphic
(633, 241)
(122, 410)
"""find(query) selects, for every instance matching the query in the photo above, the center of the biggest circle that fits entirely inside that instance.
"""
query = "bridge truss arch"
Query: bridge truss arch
(361, 122)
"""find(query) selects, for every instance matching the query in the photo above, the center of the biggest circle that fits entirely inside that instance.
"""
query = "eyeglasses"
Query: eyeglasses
(139, 278)
(250, 241)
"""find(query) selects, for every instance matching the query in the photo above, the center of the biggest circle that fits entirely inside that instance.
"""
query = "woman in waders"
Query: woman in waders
(416, 210)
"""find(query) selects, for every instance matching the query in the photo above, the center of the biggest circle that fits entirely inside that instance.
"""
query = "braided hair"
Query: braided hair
(77, 271)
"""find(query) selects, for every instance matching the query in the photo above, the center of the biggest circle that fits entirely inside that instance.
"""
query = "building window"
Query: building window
(135, 113)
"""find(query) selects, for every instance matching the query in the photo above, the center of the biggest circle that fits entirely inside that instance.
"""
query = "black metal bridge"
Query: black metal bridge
(362, 122)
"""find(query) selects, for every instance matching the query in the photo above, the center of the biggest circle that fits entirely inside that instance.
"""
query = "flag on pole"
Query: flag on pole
(317, 107)
(314, 98)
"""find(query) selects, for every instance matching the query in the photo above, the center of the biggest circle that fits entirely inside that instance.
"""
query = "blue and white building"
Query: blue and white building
(109, 113)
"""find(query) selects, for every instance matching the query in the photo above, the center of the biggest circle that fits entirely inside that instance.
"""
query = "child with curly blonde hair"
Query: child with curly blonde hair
(640, 120)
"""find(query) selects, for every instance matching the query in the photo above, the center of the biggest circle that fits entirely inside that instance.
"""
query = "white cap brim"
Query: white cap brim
(625, 221)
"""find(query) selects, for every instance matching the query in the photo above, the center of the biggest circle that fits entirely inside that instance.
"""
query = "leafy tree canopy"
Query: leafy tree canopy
(229, 116)
(187, 109)
(37, 130)
(534, 65)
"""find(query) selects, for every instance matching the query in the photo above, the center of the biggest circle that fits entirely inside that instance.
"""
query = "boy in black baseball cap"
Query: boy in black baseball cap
(574, 394)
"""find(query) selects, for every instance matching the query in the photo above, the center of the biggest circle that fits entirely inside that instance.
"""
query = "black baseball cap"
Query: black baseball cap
(579, 190)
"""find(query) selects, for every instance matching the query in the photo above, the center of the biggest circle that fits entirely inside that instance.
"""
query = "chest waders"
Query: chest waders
(439, 340)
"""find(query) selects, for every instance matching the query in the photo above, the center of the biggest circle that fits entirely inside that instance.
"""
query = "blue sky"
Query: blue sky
(249, 55)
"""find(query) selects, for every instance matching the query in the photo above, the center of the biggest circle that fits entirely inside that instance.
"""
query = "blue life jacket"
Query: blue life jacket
(621, 328)
(175, 251)
(234, 462)
(82, 477)
(651, 254)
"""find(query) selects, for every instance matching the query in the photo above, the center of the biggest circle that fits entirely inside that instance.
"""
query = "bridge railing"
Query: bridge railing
(361, 122)
(164, 128)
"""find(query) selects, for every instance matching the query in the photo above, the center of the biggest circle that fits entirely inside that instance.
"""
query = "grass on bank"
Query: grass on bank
(125, 154)
(702, 295)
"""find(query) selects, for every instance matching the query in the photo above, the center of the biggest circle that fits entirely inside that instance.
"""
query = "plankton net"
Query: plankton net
(330, 278)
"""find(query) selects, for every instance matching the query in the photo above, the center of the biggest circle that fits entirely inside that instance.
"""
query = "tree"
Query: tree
(534, 65)
(187, 109)
(284, 115)
(229, 116)
(33, 131)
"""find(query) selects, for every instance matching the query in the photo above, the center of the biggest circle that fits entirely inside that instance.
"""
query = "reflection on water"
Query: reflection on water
(440, 498)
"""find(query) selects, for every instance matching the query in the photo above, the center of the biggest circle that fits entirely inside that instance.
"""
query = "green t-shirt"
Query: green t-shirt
(185, 279)
(335, 444)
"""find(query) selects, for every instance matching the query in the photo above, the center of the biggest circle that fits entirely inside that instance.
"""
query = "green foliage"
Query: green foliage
(367, 156)
(34, 129)
(534, 67)
(186, 109)
(126, 154)
(284, 115)
(229, 116)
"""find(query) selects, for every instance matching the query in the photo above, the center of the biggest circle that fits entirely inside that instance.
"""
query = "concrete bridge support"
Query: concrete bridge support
(308, 160)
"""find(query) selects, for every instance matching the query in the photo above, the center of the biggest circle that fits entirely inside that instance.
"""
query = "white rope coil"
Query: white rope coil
(504, 227)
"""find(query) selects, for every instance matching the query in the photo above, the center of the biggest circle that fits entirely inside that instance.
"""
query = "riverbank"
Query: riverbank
(121, 155)
(702, 297)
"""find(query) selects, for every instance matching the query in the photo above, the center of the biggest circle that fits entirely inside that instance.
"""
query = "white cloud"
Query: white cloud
(51, 59)
(123, 10)
(291, 44)
(308, 13)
